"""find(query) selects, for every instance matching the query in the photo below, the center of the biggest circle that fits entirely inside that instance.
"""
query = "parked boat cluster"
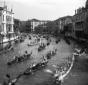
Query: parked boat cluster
(35, 66)
(18, 59)
(64, 69)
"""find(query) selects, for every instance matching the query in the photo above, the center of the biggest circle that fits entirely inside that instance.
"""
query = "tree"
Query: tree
(49, 28)
(25, 26)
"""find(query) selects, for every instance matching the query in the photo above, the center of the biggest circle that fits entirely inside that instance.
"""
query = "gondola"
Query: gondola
(41, 48)
(50, 54)
(28, 71)
(35, 68)
(39, 66)
(19, 59)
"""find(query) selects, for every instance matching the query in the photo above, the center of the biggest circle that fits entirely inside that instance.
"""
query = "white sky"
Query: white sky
(44, 9)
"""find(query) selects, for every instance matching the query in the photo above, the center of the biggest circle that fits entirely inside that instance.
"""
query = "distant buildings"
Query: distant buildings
(63, 21)
(35, 23)
(6, 23)
(75, 25)
(79, 20)
(86, 5)
(65, 25)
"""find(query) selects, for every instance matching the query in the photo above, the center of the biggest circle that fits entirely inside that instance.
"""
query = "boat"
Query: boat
(19, 59)
(41, 47)
(64, 71)
(51, 53)
(35, 67)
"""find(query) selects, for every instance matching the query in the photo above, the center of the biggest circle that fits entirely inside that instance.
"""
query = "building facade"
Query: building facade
(6, 23)
(65, 25)
(63, 21)
(79, 20)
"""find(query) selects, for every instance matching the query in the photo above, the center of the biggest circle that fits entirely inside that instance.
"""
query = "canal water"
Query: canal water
(63, 50)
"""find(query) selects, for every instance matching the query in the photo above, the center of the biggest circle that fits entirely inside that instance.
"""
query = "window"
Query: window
(8, 18)
(8, 27)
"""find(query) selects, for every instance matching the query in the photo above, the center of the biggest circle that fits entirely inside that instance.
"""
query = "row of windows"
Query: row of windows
(8, 28)
(8, 18)
(80, 17)
(79, 26)
(9, 36)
